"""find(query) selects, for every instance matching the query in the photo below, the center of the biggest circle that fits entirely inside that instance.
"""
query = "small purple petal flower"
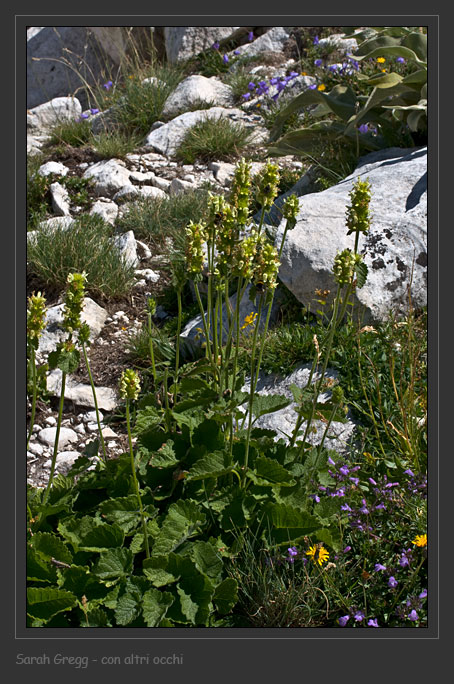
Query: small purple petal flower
(372, 481)
(403, 561)
(274, 80)
(379, 566)
(401, 60)
(236, 52)
(343, 620)
(293, 551)
(246, 96)
(315, 497)
(333, 67)
(355, 480)
(346, 507)
(330, 460)
(94, 110)
(274, 97)
(359, 616)
(312, 87)
(293, 74)
(363, 128)
(423, 594)
(347, 549)
(372, 623)
(251, 85)
(409, 472)
(250, 36)
(318, 62)
(84, 115)
(225, 59)
(392, 582)
(215, 45)
(344, 470)
(413, 616)
(316, 40)
(108, 85)
(380, 506)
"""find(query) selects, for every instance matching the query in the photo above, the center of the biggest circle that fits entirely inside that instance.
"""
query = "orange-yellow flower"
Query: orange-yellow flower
(322, 86)
(318, 554)
(380, 60)
(420, 540)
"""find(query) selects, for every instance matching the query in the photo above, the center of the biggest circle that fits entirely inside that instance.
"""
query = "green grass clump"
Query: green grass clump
(75, 133)
(155, 220)
(139, 105)
(115, 144)
(38, 198)
(211, 139)
(85, 246)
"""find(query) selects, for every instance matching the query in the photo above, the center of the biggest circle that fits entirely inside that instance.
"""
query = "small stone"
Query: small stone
(48, 435)
(36, 449)
(90, 417)
(51, 420)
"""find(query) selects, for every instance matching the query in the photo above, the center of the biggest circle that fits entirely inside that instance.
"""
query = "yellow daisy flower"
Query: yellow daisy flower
(420, 540)
(249, 320)
(380, 60)
(318, 554)
(322, 86)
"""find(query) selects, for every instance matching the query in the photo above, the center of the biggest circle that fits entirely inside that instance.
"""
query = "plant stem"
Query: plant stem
(57, 435)
(254, 378)
(32, 416)
(177, 341)
(95, 402)
(136, 484)
(150, 340)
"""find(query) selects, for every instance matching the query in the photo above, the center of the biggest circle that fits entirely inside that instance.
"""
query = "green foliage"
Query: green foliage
(115, 144)
(213, 139)
(85, 246)
(76, 133)
(158, 220)
(391, 101)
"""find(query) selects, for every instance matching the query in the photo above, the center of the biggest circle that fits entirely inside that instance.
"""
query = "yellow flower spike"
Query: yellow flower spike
(420, 540)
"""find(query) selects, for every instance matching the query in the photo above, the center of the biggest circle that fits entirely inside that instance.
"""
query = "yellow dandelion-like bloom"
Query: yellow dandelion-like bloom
(380, 60)
(318, 554)
(249, 320)
(322, 87)
(304, 73)
(384, 71)
(420, 540)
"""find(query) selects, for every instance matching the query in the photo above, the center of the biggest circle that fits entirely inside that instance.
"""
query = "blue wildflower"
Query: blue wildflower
(316, 40)
(225, 59)
(108, 85)
(318, 62)
(343, 620)
(215, 45)
(250, 36)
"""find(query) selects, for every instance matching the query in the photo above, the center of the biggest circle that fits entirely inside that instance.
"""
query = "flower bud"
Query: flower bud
(129, 384)
(74, 301)
(343, 268)
(268, 185)
(290, 210)
(358, 217)
(36, 316)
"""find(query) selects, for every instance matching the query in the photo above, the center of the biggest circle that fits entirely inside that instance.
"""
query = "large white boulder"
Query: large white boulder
(182, 42)
(197, 89)
(395, 248)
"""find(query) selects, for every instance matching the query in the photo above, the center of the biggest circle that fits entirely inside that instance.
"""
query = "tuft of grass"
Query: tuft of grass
(211, 139)
(85, 246)
(139, 104)
(38, 199)
(115, 143)
(158, 220)
(73, 133)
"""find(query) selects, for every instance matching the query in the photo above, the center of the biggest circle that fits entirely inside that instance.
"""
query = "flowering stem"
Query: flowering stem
(150, 340)
(95, 402)
(32, 416)
(134, 478)
(57, 435)
(204, 322)
(322, 374)
(252, 390)
(177, 341)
